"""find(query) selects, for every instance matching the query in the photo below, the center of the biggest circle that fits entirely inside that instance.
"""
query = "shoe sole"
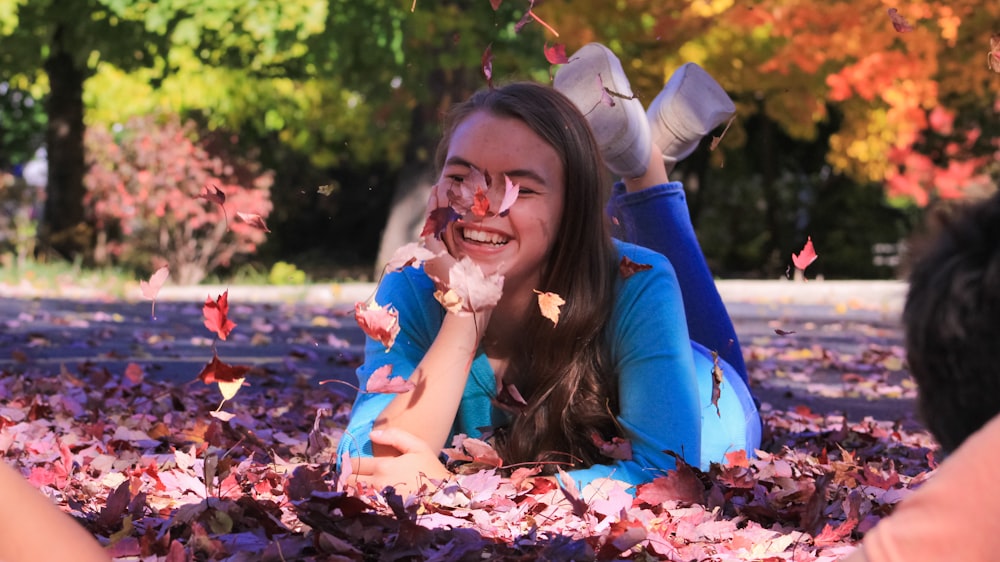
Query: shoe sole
(625, 151)
(691, 105)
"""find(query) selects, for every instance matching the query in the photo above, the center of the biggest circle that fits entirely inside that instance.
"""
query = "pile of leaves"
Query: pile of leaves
(153, 471)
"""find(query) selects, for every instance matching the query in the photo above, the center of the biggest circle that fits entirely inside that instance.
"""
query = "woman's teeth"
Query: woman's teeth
(484, 237)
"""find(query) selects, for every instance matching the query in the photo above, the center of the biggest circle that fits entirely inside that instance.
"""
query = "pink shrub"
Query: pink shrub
(146, 188)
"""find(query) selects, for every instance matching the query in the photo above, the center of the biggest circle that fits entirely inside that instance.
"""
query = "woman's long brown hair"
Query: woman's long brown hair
(564, 371)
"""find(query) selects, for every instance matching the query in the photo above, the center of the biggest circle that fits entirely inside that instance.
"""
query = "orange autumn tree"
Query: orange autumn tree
(912, 102)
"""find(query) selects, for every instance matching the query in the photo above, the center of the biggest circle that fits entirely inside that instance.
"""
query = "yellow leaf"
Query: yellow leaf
(229, 389)
(549, 304)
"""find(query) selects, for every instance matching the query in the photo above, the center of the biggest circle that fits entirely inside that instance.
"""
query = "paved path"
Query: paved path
(840, 350)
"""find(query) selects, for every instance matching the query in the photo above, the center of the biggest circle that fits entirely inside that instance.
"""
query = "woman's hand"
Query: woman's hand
(405, 471)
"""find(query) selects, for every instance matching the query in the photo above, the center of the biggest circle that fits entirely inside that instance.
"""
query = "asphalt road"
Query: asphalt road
(832, 347)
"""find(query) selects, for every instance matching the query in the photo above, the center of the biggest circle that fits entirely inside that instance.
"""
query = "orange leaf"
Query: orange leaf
(628, 268)
(993, 59)
(217, 371)
(549, 304)
(378, 323)
(380, 382)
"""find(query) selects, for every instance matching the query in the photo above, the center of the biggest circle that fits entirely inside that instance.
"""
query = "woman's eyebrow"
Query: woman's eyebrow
(519, 173)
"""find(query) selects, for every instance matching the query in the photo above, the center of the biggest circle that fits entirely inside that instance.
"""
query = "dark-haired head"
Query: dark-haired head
(562, 372)
(952, 323)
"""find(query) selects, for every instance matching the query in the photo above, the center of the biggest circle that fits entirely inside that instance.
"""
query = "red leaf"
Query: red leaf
(378, 323)
(806, 256)
(617, 448)
(556, 54)
(254, 220)
(152, 288)
(781, 332)
(621, 536)
(380, 382)
(487, 62)
(899, 23)
(217, 371)
(680, 484)
(218, 196)
(217, 315)
(496, 4)
(480, 204)
(628, 268)
(437, 221)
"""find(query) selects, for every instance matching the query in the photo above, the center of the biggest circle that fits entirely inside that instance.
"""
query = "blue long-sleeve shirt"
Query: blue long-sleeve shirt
(662, 401)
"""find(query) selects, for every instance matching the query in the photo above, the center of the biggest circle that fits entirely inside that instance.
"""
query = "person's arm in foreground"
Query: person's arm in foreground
(33, 529)
(950, 517)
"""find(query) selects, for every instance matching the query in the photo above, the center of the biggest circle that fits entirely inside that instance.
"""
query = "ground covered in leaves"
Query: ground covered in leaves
(157, 471)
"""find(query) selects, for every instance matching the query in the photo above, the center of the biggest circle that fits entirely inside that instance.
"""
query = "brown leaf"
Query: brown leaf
(549, 304)
(628, 268)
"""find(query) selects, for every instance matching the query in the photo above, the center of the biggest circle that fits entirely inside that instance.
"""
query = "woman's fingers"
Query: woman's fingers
(399, 439)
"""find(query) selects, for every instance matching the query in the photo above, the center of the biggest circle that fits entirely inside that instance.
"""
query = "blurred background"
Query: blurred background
(292, 141)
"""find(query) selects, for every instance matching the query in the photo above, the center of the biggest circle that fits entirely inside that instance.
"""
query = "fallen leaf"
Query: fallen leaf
(217, 371)
(216, 313)
(717, 378)
(627, 268)
(806, 256)
(993, 58)
(549, 304)
(378, 323)
(473, 291)
(487, 64)
(412, 254)
(556, 54)
(899, 23)
(150, 289)
(254, 220)
(572, 494)
(617, 448)
(380, 382)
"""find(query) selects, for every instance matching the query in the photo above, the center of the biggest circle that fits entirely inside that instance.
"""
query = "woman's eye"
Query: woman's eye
(526, 191)
(456, 179)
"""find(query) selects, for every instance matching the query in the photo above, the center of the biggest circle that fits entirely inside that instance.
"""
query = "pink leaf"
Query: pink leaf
(380, 382)
(254, 220)
(380, 324)
(568, 487)
(496, 4)
(411, 254)
(899, 23)
(152, 288)
(556, 54)
(510, 193)
(617, 448)
(487, 62)
(806, 256)
(469, 289)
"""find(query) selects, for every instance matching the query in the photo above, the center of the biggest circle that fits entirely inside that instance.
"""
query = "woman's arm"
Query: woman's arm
(30, 523)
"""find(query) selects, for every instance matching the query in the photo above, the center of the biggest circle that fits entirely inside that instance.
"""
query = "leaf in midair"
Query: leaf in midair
(556, 54)
(808, 255)
(627, 268)
(549, 304)
(899, 23)
(380, 382)
(568, 487)
(216, 313)
(487, 62)
(993, 60)
(218, 371)
(378, 323)
(716, 382)
(606, 98)
(510, 192)
(496, 4)
(254, 220)
(152, 288)
(411, 254)
(438, 220)
(718, 139)
(327, 189)
(473, 291)
(480, 204)
(781, 332)
(217, 196)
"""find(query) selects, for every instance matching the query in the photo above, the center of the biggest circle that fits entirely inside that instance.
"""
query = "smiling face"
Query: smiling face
(518, 244)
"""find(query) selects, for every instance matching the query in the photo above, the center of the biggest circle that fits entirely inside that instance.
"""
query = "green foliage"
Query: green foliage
(283, 273)
(20, 206)
(22, 125)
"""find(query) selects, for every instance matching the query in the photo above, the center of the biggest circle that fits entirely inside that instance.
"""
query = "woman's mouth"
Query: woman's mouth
(471, 234)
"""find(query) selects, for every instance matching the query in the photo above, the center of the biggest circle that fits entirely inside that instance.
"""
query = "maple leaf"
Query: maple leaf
(480, 204)
(216, 313)
(617, 448)
(899, 23)
(411, 254)
(716, 382)
(806, 256)
(556, 54)
(993, 57)
(496, 4)
(379, 382)
(218, 196)
(378, 323)
(469, 289)
(572, 494)
(621, 537)
(627, 268)
(549, 304)
(150, 289)
(681, 484)
(217, 370)
(462, 194)
(487, 63)
(437, 221)
(254, 220)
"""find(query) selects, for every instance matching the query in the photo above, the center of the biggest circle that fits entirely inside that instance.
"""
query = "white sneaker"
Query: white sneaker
(689, 107)
(596, 83)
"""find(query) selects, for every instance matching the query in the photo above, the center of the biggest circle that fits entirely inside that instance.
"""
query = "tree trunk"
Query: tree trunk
(63, 231)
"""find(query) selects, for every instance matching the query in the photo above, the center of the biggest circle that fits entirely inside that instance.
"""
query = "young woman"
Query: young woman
(619, 362)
